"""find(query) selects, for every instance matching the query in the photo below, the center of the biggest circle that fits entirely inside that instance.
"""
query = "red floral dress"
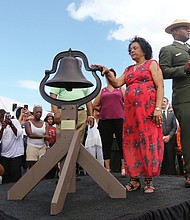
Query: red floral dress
(143, 145)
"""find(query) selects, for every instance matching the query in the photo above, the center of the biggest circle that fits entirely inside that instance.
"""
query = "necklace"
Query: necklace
(140, 64)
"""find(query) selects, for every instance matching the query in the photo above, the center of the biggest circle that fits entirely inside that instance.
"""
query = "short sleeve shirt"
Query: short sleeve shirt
(75, 94)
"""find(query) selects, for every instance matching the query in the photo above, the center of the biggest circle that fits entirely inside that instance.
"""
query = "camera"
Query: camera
(7, 116)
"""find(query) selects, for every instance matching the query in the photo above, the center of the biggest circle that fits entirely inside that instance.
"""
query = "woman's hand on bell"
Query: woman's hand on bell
(104, 70)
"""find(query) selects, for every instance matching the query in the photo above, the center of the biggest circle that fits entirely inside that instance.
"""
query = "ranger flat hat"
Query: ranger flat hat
(177, 23)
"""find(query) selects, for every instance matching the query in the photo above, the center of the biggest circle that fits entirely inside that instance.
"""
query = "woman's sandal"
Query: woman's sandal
(148, 188)
(131, 187)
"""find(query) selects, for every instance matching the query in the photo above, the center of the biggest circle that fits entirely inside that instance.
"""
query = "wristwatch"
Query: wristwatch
(158, 109)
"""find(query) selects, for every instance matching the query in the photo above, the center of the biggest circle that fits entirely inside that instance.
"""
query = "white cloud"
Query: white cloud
(28, 84)
(32, 85)
(146, 18)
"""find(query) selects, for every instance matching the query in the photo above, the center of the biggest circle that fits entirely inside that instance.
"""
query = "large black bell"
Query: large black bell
(69, 75)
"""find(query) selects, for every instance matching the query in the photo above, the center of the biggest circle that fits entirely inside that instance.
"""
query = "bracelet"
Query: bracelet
(56, 113)
(91, 116)
(158, 109)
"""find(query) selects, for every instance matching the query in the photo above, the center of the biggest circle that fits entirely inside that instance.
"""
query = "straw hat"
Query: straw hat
(177, 23)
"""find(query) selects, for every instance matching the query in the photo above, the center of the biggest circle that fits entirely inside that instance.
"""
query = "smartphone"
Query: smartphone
(26, 106)
(7, 116)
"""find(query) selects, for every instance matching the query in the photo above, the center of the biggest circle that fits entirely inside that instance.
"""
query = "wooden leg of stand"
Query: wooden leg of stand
(34, 175)
(72, 186)
(65, 178)
(100, 175)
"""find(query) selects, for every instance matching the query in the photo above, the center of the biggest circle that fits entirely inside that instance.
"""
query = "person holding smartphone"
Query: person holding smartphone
(12, 147)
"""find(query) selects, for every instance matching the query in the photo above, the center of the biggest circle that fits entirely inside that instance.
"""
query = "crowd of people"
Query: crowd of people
(151, 135)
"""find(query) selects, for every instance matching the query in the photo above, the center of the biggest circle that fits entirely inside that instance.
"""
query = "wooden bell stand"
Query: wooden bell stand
(68, 150)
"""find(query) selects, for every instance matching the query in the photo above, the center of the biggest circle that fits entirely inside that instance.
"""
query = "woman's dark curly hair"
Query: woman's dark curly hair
(145, 46)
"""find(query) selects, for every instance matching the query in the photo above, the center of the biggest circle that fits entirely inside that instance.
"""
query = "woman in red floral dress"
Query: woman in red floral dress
(142, 130)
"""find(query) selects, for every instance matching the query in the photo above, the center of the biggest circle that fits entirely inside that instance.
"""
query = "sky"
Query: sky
(33, 32)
